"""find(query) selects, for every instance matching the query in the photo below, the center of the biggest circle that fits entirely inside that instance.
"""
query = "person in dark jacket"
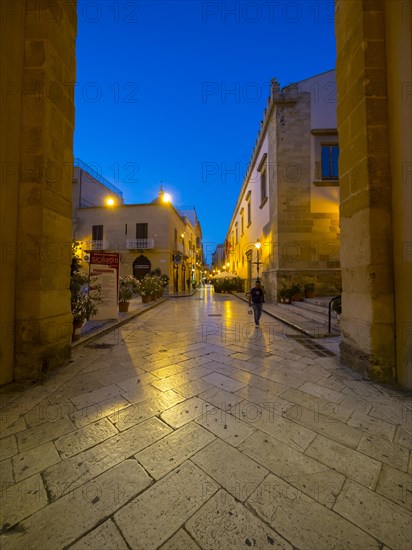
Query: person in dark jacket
(256, 300)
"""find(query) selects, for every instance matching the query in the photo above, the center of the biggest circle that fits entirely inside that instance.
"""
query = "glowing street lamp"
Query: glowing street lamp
(166, 198)
(110, 201)
(258, 246)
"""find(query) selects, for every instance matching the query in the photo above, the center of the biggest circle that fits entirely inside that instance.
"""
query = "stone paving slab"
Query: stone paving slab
(165, 507)
(385, 451)
(8, 447)
(84, 438)
(352, 464)
(374, 513)
(325, 425)
(79, 469)
(98, 411)
(35, 460)
(192, 389)
(221, 398)
(44, 432)
(331, 410)
(307, 524)
(294, 435)
(138, 412)
(90, 398)
(373, 426)
(181, 414)
(180, 541)
(238, 474)
(20, 500)
(165, 455)
(306, 474)
(225, 425)
(6, 473)
(396, 485)
(18, 426)
(65, 520)
(315, 452)
(136, 382)
(105, 537)
(225, 523)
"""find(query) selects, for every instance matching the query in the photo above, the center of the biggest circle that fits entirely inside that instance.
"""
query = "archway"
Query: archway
(141, 267)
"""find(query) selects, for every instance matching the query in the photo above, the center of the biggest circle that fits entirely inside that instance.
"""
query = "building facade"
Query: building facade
(285, 227)
(375, 125)
(219, 258)
(147, 236)
(38, 72)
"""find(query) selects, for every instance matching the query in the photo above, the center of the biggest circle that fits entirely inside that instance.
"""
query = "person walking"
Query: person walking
(256, 300)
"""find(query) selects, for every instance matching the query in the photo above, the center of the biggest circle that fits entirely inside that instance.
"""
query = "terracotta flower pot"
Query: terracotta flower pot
(77, 329)
(146, 299)
(124, 307)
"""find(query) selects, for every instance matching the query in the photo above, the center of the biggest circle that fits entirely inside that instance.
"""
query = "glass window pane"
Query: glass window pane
(335, 158)
(326, 162)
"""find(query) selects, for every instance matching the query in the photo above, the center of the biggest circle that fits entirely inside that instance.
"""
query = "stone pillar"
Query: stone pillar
(39, 211)
(398, 38)
(369, 329)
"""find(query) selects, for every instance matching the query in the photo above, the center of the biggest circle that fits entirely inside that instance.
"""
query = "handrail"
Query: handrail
(330, 311)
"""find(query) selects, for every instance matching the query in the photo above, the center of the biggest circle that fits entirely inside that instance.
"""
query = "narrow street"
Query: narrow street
(189, 428)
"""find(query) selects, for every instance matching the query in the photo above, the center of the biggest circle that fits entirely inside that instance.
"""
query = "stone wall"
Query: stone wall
(40, 73)
(368, 213)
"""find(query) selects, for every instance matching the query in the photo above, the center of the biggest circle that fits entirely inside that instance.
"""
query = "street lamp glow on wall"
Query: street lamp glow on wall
(258, 246)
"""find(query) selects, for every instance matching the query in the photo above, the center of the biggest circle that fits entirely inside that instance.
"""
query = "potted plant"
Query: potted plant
(158, 286)
(147, 289)
(296, 293)
(309, 290)
(128, 287)
(285, 295)
(83, 302)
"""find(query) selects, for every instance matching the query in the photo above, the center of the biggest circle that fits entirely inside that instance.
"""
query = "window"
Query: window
(242, 223)
(236, 233)
(125, 228)
(249, 209)
(97, 232)
(329, 161)
(263, 181)
(263, 188)
(175, 238)
(141, 231)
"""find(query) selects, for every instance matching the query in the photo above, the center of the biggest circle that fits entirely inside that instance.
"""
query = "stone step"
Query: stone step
(316, 304)
(308, 320)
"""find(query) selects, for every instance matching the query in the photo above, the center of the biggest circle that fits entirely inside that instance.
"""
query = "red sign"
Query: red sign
(104, 267)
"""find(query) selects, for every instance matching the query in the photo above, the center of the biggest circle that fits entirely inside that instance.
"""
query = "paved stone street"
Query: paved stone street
(188, 428)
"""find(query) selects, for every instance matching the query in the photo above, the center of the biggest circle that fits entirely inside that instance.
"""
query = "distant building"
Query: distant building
(289, 201)
(148, 236)
(219, 257)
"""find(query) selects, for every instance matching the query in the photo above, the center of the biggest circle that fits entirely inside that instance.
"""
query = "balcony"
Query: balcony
(139, 244)
(179, 247)
(97, 245)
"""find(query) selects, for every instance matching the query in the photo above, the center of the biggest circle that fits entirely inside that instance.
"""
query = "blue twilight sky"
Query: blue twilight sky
(174, 91)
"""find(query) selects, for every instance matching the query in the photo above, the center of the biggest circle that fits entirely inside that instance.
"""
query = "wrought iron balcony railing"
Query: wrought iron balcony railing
(139, 244)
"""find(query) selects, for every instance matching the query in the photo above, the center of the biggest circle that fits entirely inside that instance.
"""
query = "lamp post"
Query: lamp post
(258, 246)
